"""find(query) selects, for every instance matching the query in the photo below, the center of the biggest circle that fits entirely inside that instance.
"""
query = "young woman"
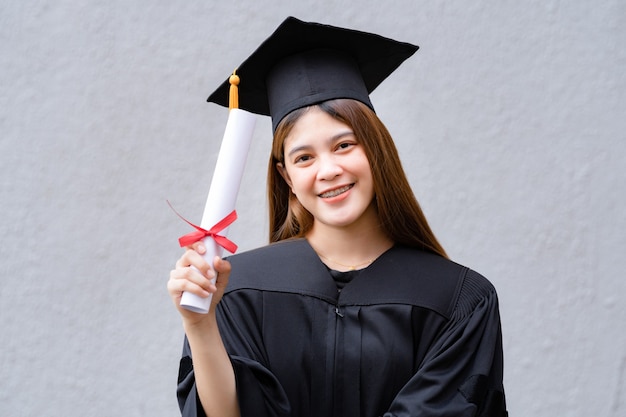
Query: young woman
(354, 308)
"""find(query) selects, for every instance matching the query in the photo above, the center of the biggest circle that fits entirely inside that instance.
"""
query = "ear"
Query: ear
(283, 173)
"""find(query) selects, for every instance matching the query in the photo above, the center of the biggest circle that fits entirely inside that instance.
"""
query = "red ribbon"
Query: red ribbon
(201, 233)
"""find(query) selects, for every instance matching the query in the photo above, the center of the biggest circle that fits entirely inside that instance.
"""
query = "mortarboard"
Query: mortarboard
(304, 63)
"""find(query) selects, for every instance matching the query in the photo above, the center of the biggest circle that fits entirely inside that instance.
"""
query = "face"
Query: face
(328, 171)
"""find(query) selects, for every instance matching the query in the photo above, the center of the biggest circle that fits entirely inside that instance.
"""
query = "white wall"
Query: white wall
(510, 120)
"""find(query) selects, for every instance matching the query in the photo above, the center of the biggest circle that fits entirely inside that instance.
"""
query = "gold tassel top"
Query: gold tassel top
(233, 99)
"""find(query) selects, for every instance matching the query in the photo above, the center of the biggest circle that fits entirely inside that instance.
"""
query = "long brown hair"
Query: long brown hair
(398, 211)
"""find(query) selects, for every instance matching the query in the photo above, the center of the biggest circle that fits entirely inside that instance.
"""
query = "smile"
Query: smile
(336, 192)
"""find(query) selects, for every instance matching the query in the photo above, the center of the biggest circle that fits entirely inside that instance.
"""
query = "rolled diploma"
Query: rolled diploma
(223, 192)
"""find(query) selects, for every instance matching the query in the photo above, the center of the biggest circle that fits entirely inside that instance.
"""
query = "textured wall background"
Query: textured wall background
(510, 121)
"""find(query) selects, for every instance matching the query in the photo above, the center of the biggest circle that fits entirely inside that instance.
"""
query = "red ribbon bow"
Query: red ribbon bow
(201, 233)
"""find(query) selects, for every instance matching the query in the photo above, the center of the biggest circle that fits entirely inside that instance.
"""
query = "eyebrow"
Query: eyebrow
(330, 140)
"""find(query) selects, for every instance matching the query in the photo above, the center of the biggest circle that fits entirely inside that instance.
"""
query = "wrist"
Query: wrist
(202, 324)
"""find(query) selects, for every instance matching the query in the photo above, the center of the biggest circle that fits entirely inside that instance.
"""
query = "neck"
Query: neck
(348, 248)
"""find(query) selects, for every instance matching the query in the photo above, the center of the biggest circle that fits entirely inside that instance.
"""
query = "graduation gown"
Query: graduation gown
(413, 334)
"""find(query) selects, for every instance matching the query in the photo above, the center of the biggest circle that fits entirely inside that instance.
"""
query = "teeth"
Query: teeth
(336, 192)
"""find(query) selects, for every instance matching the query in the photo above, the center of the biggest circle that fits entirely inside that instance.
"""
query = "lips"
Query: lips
(336, 191)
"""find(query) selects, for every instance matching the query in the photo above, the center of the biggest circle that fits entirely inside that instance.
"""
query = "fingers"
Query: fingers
(191, 280)
(199, 247)
(192, 273)
(222, 266)
(193, 257)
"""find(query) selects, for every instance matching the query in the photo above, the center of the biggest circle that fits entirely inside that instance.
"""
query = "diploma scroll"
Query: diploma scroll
(223, 192)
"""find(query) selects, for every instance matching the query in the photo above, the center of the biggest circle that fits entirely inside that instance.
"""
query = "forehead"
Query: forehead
(315, 126)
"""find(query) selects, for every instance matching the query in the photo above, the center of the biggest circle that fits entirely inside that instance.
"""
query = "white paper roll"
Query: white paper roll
(227, 175)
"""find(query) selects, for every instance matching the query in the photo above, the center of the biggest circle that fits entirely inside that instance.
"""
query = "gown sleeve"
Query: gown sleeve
(259, 393)
(188, 400)
(461, 375)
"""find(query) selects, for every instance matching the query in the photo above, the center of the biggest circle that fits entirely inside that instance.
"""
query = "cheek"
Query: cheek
(369, 177)
(290, 179)
(285, 174)
(298, 182)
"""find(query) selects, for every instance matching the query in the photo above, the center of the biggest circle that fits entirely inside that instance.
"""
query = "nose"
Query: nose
(328, 168)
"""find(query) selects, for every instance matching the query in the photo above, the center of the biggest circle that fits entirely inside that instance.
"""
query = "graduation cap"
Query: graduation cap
(304, 63)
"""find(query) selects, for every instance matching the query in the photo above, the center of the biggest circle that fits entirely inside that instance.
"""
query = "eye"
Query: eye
(346, 145)
(299, 159)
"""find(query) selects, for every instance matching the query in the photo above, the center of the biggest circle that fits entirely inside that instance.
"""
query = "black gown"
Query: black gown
(413, 334)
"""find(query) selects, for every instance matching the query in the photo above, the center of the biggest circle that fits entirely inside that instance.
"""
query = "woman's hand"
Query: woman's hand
(194, 274)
